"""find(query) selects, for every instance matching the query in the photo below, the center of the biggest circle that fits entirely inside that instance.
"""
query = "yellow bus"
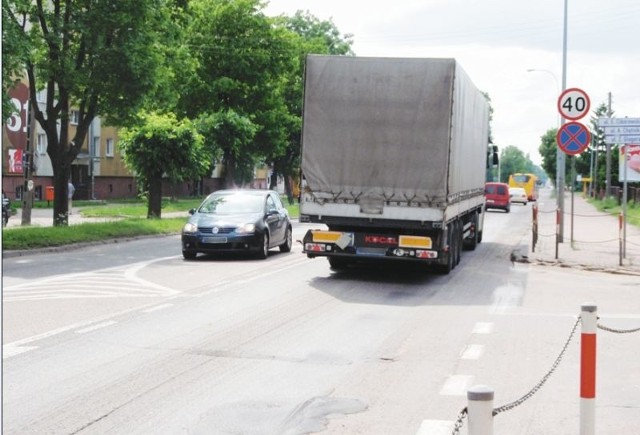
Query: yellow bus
(529, 182)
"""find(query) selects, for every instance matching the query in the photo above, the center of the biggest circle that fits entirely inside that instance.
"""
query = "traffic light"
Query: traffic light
(492, 156)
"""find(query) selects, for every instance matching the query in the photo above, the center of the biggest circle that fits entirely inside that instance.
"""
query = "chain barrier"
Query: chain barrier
(539, 385)
(464, 412)
(617, 331)
(459, 420)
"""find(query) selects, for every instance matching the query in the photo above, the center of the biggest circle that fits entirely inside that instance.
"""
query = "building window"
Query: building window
(41, 145)
(95, 147)
(109, 151)
(74, 117)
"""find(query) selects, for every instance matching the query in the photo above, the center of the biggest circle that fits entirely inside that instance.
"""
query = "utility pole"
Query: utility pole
(560, 156)
(608, 148)
(28, 165)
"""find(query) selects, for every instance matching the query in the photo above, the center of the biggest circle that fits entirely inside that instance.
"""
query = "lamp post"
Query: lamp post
(560, 158)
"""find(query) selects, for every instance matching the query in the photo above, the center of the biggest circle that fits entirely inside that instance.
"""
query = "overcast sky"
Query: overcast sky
(496, 42)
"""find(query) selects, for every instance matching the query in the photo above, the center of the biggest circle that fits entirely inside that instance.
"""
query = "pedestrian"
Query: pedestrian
(70, 190)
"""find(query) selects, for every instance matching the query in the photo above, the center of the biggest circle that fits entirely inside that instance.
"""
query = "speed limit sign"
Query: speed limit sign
(573, 104)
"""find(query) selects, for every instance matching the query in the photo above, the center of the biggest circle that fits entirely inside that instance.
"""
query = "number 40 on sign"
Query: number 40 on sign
(573, 104)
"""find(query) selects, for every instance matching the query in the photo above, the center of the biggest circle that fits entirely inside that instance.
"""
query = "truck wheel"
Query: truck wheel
(336, 263)
(444, 269)
(459, 235)
(472, 242)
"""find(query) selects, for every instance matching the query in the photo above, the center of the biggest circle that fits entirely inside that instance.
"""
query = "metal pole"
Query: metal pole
(480, 410)
(560, 156)
(573, 188)
(624, 204)
(589, 317)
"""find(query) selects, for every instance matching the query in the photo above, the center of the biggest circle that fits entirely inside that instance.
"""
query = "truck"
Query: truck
(393, 160)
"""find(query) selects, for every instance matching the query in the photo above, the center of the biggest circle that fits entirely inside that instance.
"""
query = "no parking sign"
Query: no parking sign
(573, 138)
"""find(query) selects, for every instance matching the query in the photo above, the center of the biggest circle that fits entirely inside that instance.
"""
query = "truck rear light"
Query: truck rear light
(426, 254)
(315, 247)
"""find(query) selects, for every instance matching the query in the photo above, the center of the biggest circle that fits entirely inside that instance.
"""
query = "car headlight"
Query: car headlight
(190, 228)
(246, 228)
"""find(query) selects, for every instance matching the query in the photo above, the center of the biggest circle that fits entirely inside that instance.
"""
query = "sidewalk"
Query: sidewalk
(593, 242)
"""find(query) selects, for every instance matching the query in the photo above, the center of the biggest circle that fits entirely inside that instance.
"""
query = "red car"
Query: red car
(497, 196)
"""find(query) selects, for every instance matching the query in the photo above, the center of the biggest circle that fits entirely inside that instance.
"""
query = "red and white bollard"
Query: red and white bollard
(589, 317)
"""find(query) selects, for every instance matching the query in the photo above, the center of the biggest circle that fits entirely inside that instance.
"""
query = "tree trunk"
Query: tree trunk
(287, 189)
(155, 198)
(61, 199)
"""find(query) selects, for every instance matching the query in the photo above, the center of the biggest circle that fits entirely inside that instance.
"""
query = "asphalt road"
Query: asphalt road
(130, 338)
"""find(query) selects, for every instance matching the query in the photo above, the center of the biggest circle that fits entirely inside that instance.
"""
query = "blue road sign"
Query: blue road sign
(573, 138)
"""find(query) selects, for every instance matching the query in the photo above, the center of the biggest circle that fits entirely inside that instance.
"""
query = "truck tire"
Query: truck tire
(472, 242)
(445, 269)
(459, 241)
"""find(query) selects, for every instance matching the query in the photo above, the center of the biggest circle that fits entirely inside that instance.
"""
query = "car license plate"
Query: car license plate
(214, 240)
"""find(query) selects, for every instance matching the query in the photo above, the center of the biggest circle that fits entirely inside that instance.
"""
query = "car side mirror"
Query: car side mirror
(192, 211)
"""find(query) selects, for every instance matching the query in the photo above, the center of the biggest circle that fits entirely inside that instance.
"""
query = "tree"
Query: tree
(240, 59)
(162, 147)
(100, 58)
(15, 47)
(513, 161)
(548, 149)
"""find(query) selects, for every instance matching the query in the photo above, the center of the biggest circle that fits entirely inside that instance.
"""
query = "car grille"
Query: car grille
(221, 230)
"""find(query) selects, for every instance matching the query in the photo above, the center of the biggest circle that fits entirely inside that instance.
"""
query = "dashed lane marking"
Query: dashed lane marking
(456, 385)
(96, 326)
(435, 427)
(472, 352)
(483, 328)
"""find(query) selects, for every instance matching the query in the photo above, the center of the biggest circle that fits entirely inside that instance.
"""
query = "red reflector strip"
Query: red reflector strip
(588, 366)
(426, 254)
(315, 247)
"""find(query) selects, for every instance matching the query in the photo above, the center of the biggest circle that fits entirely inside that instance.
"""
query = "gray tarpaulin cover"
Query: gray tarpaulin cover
(381, 128)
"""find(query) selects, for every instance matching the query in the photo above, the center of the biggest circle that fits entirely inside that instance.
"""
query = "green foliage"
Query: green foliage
(99, 58)
(548, 149)
(512, 161)
(161, 146)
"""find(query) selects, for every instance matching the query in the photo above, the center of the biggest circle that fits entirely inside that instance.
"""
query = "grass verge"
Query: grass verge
(40, 237)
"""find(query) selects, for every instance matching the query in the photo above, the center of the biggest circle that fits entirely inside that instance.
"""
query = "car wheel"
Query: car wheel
(189, 255)
(288, 241)
(264, 249)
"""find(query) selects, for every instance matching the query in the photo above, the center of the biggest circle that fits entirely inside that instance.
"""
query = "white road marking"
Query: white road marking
(96, 326)
(473, 351)
(456, 385)
(9, 350)
(435, 427)
(157, 308)
(483, 328)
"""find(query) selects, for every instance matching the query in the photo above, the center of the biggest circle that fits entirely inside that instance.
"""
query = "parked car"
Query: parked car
(238, 220)
(519, 195)
(497, 196)
(6, 209)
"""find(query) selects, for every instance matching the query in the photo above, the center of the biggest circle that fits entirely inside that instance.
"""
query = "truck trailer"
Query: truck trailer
(393, 160)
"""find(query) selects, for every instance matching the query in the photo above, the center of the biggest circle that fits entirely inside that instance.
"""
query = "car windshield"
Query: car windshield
(233, 204)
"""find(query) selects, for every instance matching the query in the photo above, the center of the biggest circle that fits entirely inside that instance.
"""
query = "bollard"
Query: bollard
(558, 214)
(480, 410)
(589, 319)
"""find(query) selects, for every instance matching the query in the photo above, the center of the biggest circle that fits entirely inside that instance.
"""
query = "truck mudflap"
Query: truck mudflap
(323, 243)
